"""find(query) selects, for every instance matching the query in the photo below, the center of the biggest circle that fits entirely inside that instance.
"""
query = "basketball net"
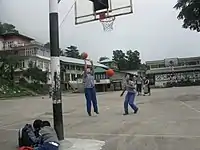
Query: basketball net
(107, 22)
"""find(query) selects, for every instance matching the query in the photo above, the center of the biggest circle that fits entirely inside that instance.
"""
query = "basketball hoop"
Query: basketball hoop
(106, 21)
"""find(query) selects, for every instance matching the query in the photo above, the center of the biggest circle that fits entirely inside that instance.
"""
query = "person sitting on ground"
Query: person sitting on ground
(49, 137)
(29, 135)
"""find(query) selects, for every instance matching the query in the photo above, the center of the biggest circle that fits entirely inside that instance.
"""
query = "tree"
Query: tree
(35, 74)
(133, 60)
(8, 65)
(129, 61)
(7, 28)
(119, 57)
(47, 45)
(103, 58)
(72, 51)
(189, 13)
(144, 67)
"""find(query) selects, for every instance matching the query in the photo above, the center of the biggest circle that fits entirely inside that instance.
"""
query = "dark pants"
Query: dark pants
(90, 95)
(129, 99)
(47, 146)
(139, 88)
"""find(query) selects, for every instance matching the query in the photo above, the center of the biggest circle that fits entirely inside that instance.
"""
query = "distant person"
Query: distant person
(29, 135)
(130, 96)
(49, 137)
(147, 85)
(89, 88)
(139, 85)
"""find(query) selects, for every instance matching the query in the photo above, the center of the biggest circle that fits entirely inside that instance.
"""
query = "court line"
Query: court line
(124, 135)
(136, 135)
(190, 107)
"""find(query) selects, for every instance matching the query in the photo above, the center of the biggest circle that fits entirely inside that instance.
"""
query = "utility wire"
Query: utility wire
(66, 15)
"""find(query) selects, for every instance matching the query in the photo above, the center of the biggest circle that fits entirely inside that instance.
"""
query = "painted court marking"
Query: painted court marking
(190, 107)
(136, 135)
(123, 135)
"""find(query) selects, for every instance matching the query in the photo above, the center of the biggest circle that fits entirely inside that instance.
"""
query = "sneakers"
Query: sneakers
(89, 114)
(125, 114)
(135, 112)
(96, 112)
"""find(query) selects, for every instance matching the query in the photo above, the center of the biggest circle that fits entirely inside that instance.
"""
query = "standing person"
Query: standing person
(89, 88)
(147, 84)
(139, 84)
(130, 97)
(125, 80)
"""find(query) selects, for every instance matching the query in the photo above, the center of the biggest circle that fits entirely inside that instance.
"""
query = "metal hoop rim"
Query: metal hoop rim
(104, 20)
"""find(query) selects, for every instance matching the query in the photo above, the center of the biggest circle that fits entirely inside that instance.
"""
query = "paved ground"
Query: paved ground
(167, 120)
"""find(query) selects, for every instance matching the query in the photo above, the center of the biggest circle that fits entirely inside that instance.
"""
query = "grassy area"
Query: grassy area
(7, 91)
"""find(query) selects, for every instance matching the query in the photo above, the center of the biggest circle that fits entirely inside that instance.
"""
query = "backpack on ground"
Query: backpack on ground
(24, 139)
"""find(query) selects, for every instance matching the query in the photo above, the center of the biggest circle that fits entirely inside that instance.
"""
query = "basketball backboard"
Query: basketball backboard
(84, 10)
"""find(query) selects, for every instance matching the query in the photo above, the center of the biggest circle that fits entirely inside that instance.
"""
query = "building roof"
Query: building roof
(179, 58)
(106, 61)
(79, 61)
(99, 70)
(175, 69)
(16, 34)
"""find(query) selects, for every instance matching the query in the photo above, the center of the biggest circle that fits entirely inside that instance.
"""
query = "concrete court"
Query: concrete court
(167, 120)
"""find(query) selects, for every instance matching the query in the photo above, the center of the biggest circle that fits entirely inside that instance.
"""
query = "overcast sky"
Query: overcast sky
(153, 29)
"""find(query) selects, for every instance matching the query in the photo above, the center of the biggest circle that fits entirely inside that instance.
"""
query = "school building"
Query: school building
(161, 72)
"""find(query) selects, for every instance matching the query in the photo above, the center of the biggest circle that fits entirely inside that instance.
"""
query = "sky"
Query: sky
(152, 29)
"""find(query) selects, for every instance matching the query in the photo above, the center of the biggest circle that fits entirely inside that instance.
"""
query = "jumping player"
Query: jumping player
(89, 87)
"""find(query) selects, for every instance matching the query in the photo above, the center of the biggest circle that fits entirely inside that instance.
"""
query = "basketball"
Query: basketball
(110, 72)
(84, 55)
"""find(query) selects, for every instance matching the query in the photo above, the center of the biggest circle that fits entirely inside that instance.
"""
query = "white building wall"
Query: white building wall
(1, 44)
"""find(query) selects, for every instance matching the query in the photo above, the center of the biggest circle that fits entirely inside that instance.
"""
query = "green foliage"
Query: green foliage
(72, 51)
(35, 74)
(129, 61)
(189, 13)
(7, 28)
(8, 64)
(47, 45)
(120, 59)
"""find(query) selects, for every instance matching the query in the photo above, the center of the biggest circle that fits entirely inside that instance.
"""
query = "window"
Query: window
(29, 51)
(10, 44)
(67, 67)
(154, 66)
(73, 77)
(78, 68)
(40, 64)
(72, 67)
(67, 77)
(79, 76)
(46, 66)
(21, 64)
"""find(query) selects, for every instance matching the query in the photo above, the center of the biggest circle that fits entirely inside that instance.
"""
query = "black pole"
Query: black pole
(55, 68)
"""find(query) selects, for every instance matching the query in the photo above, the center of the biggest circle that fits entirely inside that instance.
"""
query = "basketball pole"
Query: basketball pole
(55, 68)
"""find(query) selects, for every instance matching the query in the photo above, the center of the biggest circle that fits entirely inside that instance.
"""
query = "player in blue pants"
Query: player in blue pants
(89, 87)
(130, 96)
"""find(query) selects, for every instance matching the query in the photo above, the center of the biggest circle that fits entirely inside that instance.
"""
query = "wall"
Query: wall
(1, 43)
